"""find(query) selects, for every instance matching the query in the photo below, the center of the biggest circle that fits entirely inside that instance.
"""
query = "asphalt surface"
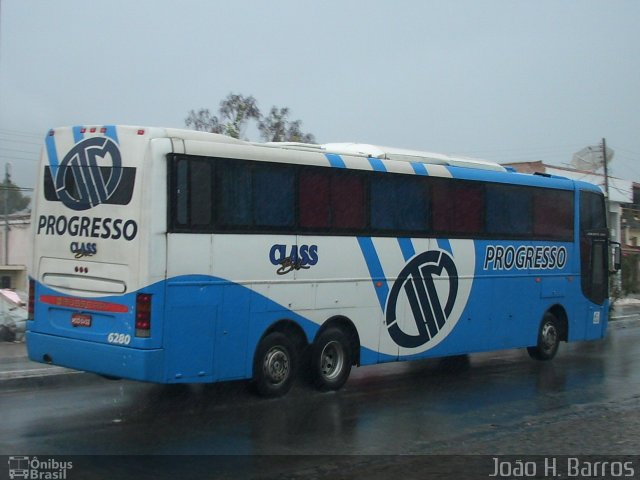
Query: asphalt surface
(387, 420)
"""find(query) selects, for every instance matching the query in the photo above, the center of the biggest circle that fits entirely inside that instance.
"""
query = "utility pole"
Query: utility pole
(7, 180)
(606, 168)
(606, 180)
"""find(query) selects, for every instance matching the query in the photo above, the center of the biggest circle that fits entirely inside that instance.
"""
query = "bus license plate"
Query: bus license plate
(81, 320)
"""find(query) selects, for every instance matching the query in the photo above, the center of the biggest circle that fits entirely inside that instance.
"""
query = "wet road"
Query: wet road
(587, 400)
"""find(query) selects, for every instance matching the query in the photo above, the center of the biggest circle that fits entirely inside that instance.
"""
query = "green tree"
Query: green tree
(16, 200)
(276, 127)
(203, 121)
(235, 112)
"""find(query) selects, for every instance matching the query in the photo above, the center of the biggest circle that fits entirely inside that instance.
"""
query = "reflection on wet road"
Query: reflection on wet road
(420, 407)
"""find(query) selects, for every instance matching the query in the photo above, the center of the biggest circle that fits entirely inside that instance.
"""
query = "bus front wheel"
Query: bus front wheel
(331, 359)
(274, 365)
(548, 339)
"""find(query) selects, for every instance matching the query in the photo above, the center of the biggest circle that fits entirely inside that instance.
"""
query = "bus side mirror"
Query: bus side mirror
(616, 257)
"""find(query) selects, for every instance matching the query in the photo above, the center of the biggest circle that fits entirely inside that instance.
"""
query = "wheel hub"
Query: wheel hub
(276, 365)
(331, 360)
(549, 337)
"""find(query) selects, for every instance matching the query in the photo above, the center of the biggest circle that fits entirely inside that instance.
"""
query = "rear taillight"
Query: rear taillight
(32, 300)
(143, 315)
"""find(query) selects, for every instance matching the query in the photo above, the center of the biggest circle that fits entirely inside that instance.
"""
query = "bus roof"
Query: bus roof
(348, 148)
(392, 153)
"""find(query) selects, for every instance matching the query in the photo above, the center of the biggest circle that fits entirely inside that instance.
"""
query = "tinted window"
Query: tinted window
(182, 192)
(331, 199)
(193, 190)
(508, 210)
(256, 195)
(201, 188)
(215, 194)
(553, 214)
(398, 203)
(458, 207)
(592, 215)
(347, 201)
(236, 204)
(273, 196)
(314, 194)
(74, 183)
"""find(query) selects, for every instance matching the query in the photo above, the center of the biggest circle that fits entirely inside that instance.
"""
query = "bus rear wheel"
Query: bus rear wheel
(548, 339)
(331, 360)
(274, 365)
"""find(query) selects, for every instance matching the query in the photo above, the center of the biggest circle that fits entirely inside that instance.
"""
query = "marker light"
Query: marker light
(143, 315)
(32, 300)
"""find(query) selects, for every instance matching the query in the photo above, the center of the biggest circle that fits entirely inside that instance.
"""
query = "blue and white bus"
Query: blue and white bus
(165, 255)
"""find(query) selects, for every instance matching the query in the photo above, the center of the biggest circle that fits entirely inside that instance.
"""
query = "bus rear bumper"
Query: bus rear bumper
(112, 360)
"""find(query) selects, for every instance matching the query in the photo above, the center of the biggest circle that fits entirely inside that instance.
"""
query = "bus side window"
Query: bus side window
(333, 200)
(201, 191)
(347, 201)
(235, 206)
(314, 199)
(398, 204)
(457, 207)
(553, 214)
(508, 210)
(181, 215)
(273, 196)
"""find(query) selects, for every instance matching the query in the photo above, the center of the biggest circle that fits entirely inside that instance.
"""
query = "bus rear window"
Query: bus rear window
(117, 184)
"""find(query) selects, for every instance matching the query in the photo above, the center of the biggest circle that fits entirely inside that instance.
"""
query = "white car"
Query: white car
(13, 315)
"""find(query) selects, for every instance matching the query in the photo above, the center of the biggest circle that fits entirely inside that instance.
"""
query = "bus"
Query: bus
(172, 256)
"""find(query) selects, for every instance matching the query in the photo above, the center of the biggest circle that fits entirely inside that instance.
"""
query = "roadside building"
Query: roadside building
(631, 243)
(16, 250)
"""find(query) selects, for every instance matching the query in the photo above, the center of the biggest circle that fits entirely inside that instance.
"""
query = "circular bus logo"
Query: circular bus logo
(80, 182)
(430, 303)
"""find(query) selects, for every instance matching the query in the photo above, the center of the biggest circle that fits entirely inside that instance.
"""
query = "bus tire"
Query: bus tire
(548, 339)
(274, 365)
(331, 358)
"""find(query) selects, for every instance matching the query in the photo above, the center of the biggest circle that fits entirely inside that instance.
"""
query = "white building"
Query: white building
(15, 251)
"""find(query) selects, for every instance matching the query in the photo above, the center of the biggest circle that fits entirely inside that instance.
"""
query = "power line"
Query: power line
(19, 133)
(13, 157)
(24, 142)
(7, 149)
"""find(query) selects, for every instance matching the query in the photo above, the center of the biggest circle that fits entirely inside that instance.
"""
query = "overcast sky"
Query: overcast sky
(502, 80)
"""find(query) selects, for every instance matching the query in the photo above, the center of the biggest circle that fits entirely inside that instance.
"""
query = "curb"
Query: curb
(39, 377)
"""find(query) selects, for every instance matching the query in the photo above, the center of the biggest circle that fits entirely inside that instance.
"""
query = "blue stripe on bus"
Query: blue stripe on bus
(50, 143)
(335, 160)
(444, 244)
(77, 134)
(377, 164)
(407, 248)
(375, 269)
(419, 168)
(111, 133)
